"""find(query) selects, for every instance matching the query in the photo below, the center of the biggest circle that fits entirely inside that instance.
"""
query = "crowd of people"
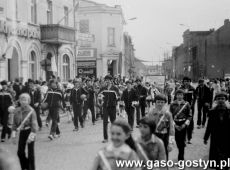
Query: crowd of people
(164, 116)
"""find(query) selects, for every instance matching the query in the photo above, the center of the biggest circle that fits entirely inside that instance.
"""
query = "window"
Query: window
(111, 36)
(84, 26)
(32, 65)
(50, 12)
(33, 11)
(66, 14)
(66, 68)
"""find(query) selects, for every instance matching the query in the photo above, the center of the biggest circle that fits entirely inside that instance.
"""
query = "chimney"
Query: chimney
(226, 21)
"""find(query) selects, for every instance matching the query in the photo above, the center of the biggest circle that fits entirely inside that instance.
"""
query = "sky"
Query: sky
(160, 23)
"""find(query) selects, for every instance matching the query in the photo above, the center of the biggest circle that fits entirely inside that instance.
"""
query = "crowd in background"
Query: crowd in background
(164, 115)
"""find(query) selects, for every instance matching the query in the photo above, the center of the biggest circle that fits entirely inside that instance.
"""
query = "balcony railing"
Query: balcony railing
(57, 34)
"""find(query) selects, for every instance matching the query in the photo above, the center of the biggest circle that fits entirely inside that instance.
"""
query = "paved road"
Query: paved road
(76, 150)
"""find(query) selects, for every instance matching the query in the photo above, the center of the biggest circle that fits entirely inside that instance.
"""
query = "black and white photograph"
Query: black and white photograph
(114, 84)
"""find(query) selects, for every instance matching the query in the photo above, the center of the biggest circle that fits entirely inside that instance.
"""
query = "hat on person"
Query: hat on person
(108, 77)
(180, 91)
(4, 82)
(221, 94)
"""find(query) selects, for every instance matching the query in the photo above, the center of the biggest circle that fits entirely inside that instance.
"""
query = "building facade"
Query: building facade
(100, 39)
(37, 39)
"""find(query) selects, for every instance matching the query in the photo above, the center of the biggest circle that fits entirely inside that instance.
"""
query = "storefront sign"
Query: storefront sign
(85, 53)
(86, 64)
(19, 30)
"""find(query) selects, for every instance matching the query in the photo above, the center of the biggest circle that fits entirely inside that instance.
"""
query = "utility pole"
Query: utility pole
(75, 7)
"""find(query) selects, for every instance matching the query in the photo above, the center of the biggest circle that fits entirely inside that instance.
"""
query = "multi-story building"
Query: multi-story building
(100, 39)
(37, 39)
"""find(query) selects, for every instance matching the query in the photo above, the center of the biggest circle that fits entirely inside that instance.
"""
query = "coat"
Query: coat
(203, 95)
(128, 97)
(218, 131)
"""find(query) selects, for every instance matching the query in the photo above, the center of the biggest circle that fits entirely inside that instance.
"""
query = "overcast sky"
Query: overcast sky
(157, 27)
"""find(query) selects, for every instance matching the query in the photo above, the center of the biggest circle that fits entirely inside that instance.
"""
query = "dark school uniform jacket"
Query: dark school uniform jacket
(110, 96)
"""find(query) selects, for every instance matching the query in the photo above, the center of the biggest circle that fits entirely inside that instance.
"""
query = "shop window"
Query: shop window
(32, 65)
(66, 68)
(111, 36)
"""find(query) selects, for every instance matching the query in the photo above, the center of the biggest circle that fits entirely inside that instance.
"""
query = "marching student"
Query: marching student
(190, 97)
(163, 120)
(91, 99)
(78, 100)
(182, 116)
(35, 95)
(204, 100)
(142, 94)
(117, 149)
(218, 130)
(25, 123)
(149, 146)
(54, 100)
(6, 101)
(129, 96)
(110, 95)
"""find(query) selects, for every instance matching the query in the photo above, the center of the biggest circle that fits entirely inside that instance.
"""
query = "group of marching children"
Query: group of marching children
(159, 128)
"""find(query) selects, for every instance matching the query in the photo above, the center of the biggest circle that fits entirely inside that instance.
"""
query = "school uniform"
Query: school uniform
(181, 117)
(204, 97)
(78, 105)
(190, 97)
(91, 101)
(151, 150)
(5, 101)
(111, 96)
(142, 94)
(55, 100)
(164, 125)
(27, 131)
(35, 96)
(128, 97)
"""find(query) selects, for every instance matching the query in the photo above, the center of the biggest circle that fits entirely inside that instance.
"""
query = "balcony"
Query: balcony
(57, 34)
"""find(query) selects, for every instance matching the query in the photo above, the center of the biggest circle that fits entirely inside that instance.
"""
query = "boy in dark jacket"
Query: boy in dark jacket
(110, 96)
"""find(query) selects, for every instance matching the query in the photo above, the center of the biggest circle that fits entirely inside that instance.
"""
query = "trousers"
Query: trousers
(27, 162)
(130, 114)
(108, 112)
(180, 137)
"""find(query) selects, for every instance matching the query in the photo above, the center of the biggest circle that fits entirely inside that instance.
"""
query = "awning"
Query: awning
(9, 53)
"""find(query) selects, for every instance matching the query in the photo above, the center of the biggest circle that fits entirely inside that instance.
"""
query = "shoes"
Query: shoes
(198, 127)
(47, 124)
(57, 136)
(82, 125)
(51, 137)
(75, 130)
(137, 126)
(203, 126)
(105, 141)
(94, 123)
(2, 140)
(189, 142)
